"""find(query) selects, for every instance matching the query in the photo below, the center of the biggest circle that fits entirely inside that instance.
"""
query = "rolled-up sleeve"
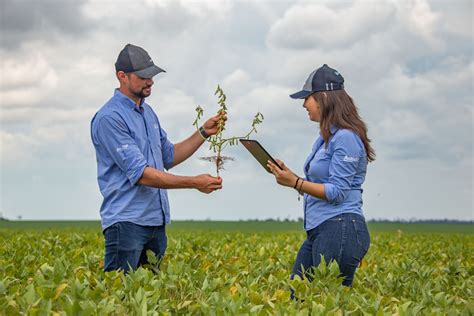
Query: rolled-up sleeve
(167, 150)
(114, 137)
(343, 167)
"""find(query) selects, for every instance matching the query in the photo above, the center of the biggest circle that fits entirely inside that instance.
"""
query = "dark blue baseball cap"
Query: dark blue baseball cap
(135, 59)
(322, 79)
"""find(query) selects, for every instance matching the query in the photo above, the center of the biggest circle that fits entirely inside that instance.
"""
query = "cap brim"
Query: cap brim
(301, 94)
(149, 72)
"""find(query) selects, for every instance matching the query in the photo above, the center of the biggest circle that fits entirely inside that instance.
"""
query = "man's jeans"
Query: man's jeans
(343, 238)
(126, 244)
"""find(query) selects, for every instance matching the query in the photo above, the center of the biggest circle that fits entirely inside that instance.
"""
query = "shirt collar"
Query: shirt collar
(129, 102)
(333, 129)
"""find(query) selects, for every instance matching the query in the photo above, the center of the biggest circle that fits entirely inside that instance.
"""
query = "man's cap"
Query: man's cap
(322, 79)
(135, 59)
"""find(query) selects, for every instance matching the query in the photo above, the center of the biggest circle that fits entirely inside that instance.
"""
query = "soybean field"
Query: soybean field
(229, 268)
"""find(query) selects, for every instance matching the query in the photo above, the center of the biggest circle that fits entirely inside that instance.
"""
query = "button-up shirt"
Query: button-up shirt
(127, 138)
(341, 167)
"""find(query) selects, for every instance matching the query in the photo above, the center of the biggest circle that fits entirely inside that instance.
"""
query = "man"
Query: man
(132, 152)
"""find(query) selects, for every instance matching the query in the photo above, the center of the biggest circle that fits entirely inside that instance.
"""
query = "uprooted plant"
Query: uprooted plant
(217, 142)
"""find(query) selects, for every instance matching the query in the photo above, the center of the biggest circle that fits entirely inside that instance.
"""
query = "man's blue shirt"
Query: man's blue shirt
(341, 168)
(127, 138)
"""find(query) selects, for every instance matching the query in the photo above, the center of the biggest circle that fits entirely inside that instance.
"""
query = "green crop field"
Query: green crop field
(218, 268)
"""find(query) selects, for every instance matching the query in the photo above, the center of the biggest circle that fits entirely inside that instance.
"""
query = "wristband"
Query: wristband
(301, 185)
(203, 133)
(299, 191)
(296, 184)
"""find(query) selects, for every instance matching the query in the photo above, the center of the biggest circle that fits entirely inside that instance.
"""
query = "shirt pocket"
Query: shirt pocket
(319, 166)
(322, 154)
(154, 133)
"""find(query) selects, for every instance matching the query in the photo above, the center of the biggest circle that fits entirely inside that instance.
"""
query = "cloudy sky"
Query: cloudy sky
(408, 65)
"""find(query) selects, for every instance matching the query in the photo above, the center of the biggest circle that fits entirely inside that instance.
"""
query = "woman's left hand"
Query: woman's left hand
(284, 177)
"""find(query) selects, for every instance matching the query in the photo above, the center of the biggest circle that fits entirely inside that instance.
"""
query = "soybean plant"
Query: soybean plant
(217, 143)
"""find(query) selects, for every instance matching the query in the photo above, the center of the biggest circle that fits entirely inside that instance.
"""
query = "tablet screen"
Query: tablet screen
(258, 152)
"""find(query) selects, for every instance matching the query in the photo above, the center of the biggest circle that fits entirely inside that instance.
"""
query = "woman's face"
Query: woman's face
(312, 106)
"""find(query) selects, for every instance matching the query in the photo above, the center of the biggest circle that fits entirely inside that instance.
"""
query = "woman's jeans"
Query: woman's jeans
(126, 244)
(343, 238)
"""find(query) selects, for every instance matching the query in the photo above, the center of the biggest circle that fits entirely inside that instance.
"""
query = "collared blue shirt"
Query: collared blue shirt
(127, 138)
(341, 167)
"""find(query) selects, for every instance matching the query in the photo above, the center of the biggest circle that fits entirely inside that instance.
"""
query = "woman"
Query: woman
(334, 173)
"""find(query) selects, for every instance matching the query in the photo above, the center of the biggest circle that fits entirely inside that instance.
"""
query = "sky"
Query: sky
(407, 64)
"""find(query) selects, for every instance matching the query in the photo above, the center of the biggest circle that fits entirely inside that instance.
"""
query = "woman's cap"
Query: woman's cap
(135, 59)
(322, 79)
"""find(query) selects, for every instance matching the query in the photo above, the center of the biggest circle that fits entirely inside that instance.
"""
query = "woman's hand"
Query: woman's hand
(284, 177)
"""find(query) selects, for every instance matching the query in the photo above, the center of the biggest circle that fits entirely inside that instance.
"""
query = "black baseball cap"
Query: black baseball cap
(324, 78)
(135, 59)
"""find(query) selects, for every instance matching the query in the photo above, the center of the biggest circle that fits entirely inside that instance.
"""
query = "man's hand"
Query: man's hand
(207, 183)
(211, 125)
(284, 177)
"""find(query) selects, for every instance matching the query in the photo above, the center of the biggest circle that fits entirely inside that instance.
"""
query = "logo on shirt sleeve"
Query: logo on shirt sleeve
(123, 147)
(350, 159)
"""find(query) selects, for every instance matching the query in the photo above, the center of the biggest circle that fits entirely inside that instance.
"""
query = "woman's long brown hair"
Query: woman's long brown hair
(338, 109)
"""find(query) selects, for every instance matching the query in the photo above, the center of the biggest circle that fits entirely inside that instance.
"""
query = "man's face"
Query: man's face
(139, 87)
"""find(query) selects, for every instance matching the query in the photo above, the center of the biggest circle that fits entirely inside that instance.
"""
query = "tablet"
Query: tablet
(258, 152)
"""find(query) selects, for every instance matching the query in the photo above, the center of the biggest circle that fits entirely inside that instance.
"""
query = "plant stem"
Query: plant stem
(218, 161)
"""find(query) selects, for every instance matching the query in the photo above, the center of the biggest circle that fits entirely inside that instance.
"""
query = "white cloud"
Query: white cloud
(207, 8)
(401, 127)
(408, 69)
(26, 81)
(47, 116)
(175, 110)
(238, 81)
(314, 25)
(420, 19)
(406, 90)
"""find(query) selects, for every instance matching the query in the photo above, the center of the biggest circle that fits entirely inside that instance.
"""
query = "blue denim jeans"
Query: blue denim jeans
(343, 238)
(126, 244)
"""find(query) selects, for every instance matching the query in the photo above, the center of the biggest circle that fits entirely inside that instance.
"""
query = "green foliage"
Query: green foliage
(250, 226)
(216, 273)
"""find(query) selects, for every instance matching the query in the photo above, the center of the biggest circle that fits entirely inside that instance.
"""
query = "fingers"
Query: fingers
(213, 184)
(211, 188)
(283, 177)
(216, 117)
(215, 187)
(273, 168)
(211, 124)
(270, 165)
(282, 164)
(215, 180)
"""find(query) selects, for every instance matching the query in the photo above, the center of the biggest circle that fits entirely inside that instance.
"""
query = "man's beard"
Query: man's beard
(141, 94)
